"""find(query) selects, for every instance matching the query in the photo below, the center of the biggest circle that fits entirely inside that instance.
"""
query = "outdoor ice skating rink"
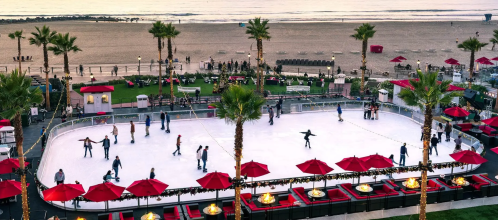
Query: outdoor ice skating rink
(280, 146)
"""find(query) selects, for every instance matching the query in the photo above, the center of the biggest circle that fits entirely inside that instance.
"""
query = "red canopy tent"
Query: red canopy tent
(315, 167)
(104, 192)
(456, 112)
(147, 187)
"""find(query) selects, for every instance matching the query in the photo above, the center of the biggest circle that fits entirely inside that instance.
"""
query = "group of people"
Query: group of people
(278, 107)
(371, 111)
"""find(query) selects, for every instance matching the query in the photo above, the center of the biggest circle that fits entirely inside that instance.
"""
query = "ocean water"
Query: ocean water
(222, 11)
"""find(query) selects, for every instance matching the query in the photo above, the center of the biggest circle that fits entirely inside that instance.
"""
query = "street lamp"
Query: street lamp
(328, 72)
(139, 58)
(91, 77)
(249, 57)
(333, 63)
(418, 64)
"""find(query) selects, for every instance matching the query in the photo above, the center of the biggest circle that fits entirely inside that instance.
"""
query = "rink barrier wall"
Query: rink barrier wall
(211, 113)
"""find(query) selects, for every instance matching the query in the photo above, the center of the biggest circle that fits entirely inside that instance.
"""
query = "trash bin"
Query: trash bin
(142, 101)
(383, 95)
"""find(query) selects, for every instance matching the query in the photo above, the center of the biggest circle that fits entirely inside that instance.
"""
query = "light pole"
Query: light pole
(333, 63)
(418, 64)
(328, 72)
(249, 57)
(139, 58)
(91, 77)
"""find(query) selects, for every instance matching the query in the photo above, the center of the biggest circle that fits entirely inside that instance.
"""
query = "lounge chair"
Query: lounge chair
(171, 213)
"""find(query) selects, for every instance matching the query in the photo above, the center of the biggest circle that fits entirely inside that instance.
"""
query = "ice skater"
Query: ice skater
(339, 112)
(434, 141)
(59, 177)
(87, 144)
(365, 111)
(132, 132)
(108, 176)
(163, 117)
(376, 112)
(106, 143)
(178, 142)
(152, 174)
(403, 152)
(307, 135)
(271, 115)
(439, 132)
(115, 133)
(448, 129)
(76, 202)
(205, 159)
(279, 109)
(115, 166)
(147, 125)
(199, 157)
(390, 175)
(167, 123)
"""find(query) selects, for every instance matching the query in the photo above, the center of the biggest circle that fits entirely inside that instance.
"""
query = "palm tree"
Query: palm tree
(426, 94)
(494, 40)
(17, 35)
(170, 33)
(473, 45)
(63, 44)
(158, 32)
(18, 86)
(258, 30)
(42, 38)
(239, 105)
(363, 33)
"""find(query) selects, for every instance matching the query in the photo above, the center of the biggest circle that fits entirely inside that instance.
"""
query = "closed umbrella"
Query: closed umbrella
(254, 169)
(9, 188)
(63, 192)
(354, 164)
(215, 181)
(104, 192)
(315, 167)
(146, 188)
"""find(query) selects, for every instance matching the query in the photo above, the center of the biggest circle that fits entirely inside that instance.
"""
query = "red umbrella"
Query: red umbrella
(491, 121)
(63, 192)
(450, 61)
(495, 59)
(481, 59)
(486, 62)
(215, 181)
(495, 150)
(7, 165)
(254, 169)
(400, 58)
(104, 192)
(469, 157)
(147, 187)
(395, 60)
(354, 164)
(456, 112)
(315, 167)
(378, 161)
(9, 188)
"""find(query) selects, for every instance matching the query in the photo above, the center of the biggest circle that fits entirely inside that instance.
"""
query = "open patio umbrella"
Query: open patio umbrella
(104, 192)
(315, 167)
(147, 187)
(400, 58)
(480, 60)
(254, 169)
(395, 60)
(7, 165)
(215, 181)
(451, 60)
(378, 161)
(468, 157)
(9, 188)
(62, 193)
(491, 121)
(495, 150)
(486, 62)
(354, 164)
(456, 112)
(494, 59)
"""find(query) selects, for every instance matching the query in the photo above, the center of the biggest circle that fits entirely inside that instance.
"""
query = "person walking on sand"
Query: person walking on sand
(178, 142)
(59, 177)
(132, 131)
(339, 112)
(152, 174)
(439, 130)
(199, 157)
(115, 166)
(271, 115)
(106, 143)
(163, 117)
(448, 129)
(87, 144)
(205, 158)
(434, 142)
(403, 152)
(307, 135)
(115, 133)
(147, 125)
(167, 122)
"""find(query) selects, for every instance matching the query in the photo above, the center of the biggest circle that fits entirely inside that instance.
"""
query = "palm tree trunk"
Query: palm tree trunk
(260, 53)
(170, 58)
(363, 64)
(427, 137)
(19, 141)
(160, 61)
(45, 64)
(66, 70)
(19, 52)
(471, 73)
(238, 155)
(258, 86)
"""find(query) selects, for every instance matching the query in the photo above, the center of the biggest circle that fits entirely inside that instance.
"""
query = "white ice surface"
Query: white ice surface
(280, 146)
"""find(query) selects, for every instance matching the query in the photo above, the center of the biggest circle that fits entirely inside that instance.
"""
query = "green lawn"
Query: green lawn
(122, 94)
(476, 213)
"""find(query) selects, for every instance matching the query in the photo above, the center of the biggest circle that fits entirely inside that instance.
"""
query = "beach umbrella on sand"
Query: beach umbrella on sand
(395, 60)
(456, 112)
(400, 58)
(62, 193)
(215, 181)
(354, 164)
(9, 188)
(254, 169)
(146, 188)
(104, 192)
(315, 167)
(468, 157)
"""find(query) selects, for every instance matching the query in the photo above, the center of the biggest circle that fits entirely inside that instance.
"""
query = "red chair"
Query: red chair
(128, 215)
(486, 177)
(385, 190)
(336, 195)
(432, 186)
(478, 182)
(286, 200)
(444, 184)
(106, 216)
(300, 192)
(171, 212)
(228, 208)
(193, 211)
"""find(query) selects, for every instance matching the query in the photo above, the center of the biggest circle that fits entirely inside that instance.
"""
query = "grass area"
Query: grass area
(122, 94)
(475, 213)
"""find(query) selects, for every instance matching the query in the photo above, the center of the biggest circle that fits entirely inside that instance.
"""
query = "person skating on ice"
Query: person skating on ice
(108, 176)
(205, 158)
(147, 125)
(178, 142)
(163, 117)
(307, 135)
(87, 144)
(115, 166)
(152, 174)
(115, 133)
(132, 132)
(365, 111)
(167, 122)
(272, 113)
(106, 143)
(339, 112)
(199, 157)
(448, 129)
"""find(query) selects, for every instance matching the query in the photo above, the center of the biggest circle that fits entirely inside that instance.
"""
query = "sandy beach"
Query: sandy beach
(122, 43)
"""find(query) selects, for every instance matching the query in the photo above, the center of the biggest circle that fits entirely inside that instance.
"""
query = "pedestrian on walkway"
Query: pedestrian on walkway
(403, 152)
(448, 129)
(171, 106)
(43, 136)
(59, 177)
(167, 123)
(115, 70)
(132, 131)
(339, 112)
(115, 166)
(205, 159)
(152, 174)
(115, 133)
(307, 135)
(147, 125)
(81, 70)
(87, 144)
(75, 200)
(178, 142)
(163, 117)
(271, 115)
(279, 109)
(106, 143)
(434, 142)
(439, 130)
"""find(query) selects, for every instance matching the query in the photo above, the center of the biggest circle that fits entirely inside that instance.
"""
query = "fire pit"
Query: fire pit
(150, 216)
(316, 193)
(212, 210)
(266, 199)
(411, 183)
(460, 181)
(364, 188)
